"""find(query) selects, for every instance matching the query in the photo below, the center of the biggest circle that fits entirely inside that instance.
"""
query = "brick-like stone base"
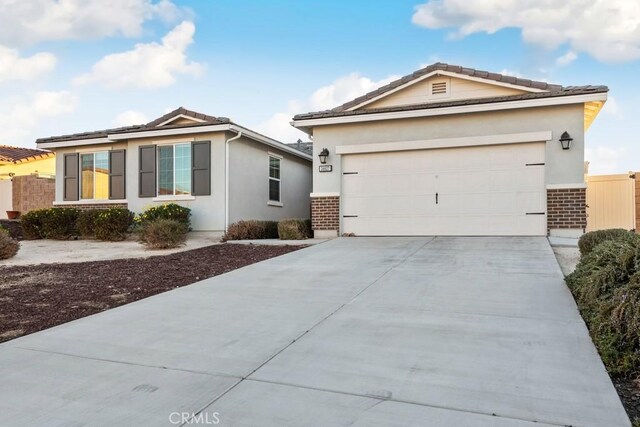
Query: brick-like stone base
(85, 206)
(325, 213)
(567, 208)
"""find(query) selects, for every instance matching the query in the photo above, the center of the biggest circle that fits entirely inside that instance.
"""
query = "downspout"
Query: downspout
(226, 179)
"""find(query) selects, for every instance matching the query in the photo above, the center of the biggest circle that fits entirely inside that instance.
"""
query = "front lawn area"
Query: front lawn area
(37, 297)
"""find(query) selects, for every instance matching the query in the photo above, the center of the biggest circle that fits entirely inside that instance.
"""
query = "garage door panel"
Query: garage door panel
(481, 190)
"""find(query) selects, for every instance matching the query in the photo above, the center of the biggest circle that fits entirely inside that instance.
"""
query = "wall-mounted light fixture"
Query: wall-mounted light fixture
(323, 155)
(565, 140)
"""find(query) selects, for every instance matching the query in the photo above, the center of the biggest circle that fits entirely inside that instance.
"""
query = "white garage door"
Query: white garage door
(487, 190)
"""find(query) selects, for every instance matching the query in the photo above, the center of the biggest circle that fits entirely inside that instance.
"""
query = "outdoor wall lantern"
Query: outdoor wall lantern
(565, 140)
(323, 155)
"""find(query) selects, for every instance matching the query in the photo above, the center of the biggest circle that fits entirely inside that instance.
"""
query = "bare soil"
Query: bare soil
(37, 297)
(629, 392)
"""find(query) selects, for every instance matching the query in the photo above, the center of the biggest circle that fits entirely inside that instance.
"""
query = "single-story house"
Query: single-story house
(223, 171)
(26, 179)
(449, 150)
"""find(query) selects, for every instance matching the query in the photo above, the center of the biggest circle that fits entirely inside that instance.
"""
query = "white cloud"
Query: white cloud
(342, 89)
(566, 59)
(608, 30)
(611, 107)
(512, 73)
(148, 65)
(15, 67)
(19, 118)
(604, 160)
(32, 21)
(130, 117)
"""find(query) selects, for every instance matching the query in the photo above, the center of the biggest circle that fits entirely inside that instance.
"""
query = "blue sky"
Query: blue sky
(75, 65)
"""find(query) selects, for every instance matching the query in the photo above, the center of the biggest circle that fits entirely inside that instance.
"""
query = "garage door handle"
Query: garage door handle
(535, 213)
(436, 198)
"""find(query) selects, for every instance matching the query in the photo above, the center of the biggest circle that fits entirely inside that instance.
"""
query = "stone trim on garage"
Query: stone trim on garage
(325, 213)
(566, 208)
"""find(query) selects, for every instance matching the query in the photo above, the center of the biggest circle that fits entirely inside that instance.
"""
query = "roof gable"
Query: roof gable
(440, 69)
(182, 116)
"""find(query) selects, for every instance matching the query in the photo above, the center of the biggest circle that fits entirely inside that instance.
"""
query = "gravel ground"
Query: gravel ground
(37, 297)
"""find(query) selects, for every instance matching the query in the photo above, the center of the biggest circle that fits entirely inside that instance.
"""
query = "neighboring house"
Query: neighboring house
(26, 179)
(222, 171)
(449, 150)
(305, 147)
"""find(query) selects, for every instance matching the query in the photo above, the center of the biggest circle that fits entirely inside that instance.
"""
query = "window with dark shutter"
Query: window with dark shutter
(147, 171)
(201, 168)
(70, 179)
(117, 169)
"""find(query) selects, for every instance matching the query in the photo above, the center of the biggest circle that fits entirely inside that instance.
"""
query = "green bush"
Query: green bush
(606, 287)
(8, 246)
(168, 211)
(59, 223)
(86, 223)
(590, 240)
(163, 233)
(251, 230)
(31, 223)
(113, 224)
(295, 229)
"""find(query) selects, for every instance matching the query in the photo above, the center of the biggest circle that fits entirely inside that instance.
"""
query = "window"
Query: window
(274, 179)
(174, 169)
(94, 184)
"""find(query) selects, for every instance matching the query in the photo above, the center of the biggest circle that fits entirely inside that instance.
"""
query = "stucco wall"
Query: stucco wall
(6, 201)
(249, 183)
(562, 167)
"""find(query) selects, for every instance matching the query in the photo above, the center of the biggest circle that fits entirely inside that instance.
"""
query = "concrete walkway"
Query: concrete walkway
(355, 331)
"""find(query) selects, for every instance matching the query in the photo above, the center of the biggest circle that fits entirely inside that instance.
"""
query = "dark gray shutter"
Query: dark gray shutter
(201, 168)
(147, 171)
(117, 174)
(70, 177)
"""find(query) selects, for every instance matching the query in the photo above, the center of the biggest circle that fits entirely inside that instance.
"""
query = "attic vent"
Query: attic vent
(439, 88)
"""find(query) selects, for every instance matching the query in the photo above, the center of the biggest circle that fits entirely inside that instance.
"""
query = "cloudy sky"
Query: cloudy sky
(75, 65)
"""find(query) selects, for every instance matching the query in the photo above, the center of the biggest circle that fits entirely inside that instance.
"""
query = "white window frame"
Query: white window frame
(93, 153)
(172, 196)
(279, 180)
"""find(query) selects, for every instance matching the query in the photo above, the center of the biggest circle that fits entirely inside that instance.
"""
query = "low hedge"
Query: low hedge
(60, 223)
(31, 223)
(590, 240)
(163, 233)
(295, 229)
(86, 223)
(251, 230)
(8, 245)
(113, 224)
(606, 287)
(167, 211)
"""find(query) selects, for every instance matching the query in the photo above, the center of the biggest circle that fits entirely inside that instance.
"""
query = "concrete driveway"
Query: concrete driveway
(355, 331)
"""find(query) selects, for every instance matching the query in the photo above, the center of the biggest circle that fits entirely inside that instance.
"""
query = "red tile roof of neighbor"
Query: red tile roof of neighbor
(550, 91)
(9, 154)
(205, 121)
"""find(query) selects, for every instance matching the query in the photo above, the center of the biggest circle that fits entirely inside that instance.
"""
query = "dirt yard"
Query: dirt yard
(33, 298)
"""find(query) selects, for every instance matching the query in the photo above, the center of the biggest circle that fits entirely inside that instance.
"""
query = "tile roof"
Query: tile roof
(550, 90)
(9, 154)
(207, 120)
(305, 147)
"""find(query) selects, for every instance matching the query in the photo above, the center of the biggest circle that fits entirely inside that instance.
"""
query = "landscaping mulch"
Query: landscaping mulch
(629, 392)
(14, 228)
(37, 297)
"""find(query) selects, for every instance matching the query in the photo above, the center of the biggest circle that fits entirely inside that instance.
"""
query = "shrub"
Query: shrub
(250, 230)
(113, 224)
(86, 223)
(295, 229)
(59, 223)
(164, 233)
(168, 211)
(590, 240)
(8, 245)
(31, 223)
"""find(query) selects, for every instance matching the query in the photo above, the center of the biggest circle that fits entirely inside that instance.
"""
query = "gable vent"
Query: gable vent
(439, 88)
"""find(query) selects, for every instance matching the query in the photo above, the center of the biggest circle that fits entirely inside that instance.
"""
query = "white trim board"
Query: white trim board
(428, 144)
(448, 74)
(179, 116)
(460, 109)
(74, 143)
(566, 186)
(332, 194)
